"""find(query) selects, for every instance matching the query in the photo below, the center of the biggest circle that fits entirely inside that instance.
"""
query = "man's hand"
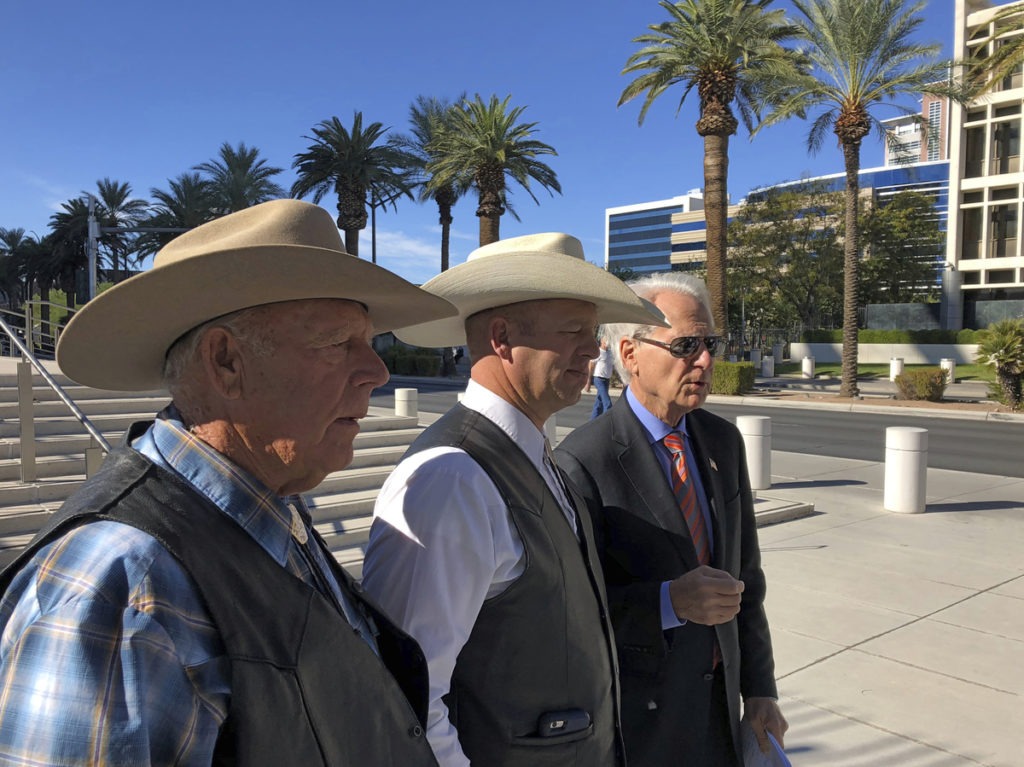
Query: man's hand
(706, 596)
(765, 714)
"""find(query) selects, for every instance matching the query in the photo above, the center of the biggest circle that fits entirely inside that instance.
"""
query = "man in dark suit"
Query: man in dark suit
(667, 486)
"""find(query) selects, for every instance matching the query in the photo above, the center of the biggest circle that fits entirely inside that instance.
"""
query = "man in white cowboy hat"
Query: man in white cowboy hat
(478, 548)
(180, 608)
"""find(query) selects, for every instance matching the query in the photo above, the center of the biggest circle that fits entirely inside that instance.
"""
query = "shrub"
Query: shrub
(732, 377)
(406, 361)
(921, 384)
(1002, 346)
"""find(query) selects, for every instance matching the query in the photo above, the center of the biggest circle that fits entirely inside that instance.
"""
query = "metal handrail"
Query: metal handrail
(27, 355)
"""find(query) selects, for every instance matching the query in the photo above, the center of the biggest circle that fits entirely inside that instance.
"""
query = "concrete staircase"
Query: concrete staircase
(342, 505)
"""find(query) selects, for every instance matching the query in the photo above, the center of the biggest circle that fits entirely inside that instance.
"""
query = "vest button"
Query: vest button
(709, 677)
(415, 731)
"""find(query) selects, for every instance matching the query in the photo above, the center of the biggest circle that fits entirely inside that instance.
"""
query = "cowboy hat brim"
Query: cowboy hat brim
(119, 340)
(515, 276)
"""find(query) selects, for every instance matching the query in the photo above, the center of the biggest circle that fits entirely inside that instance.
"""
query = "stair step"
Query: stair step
(94, 407)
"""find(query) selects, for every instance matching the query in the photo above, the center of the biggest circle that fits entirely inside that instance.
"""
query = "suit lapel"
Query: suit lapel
(656, 501)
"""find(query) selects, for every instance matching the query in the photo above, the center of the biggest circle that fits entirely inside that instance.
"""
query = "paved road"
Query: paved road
(984, 447)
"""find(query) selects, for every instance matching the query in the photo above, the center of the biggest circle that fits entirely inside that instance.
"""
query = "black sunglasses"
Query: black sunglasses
(685, 347)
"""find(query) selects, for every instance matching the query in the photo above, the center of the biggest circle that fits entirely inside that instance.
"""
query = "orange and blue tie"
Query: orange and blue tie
(686, 496)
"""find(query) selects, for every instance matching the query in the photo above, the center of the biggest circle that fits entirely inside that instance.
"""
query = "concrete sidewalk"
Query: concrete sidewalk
(899, 639)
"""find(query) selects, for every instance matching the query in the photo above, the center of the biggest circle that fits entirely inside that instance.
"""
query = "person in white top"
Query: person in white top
(601, 375)
(477, 547)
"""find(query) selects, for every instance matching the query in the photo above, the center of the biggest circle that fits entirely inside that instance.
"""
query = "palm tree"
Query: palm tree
(481, 146)
(66, 250)
(355, 167)
(428, 117)
(1002, 346)
(14, 244)
(1006, 56)
(117, 209)
(862, 55)
(727, 49)
(187, 203)
(239, 179)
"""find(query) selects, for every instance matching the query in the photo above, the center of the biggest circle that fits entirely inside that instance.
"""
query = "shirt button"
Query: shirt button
(709, 677)
(415, 731)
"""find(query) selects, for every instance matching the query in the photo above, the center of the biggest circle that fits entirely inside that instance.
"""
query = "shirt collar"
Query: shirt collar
(655, 428)
(508, 418)
(259, 511)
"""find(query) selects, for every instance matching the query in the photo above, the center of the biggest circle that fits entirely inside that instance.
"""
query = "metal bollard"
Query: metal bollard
(757, 440)
(807, 368)
(949, 366)
(778, 351)
(895, 367)
(906, 469)
(755, 358)
(407, 402)
(768, 367)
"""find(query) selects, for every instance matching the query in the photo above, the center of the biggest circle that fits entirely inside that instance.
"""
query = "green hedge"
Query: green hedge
(921, 383)
(732, 377)
(868, 336)
(403, 361)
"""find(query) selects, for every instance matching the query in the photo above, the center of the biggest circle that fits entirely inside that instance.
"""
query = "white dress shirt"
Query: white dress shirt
(442, 543)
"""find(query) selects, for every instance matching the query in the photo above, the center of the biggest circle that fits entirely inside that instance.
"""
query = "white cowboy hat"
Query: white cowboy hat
(528, 268)
(283, 250)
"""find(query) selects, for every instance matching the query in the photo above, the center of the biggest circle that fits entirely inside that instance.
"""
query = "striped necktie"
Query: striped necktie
(686, 496)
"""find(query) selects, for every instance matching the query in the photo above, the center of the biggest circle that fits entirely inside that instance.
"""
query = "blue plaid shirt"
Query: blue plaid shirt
(107, 655)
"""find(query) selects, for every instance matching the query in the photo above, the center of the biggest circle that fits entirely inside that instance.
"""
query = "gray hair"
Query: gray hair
(646, 287)
(248, 326)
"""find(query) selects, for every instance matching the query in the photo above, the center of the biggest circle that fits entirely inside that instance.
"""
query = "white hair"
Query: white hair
(646, 287)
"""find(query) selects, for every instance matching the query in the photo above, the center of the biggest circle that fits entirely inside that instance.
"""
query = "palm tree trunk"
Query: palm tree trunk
(851, 265)
(716, 212)
(352, 242)
(490, 226)
(445, 219)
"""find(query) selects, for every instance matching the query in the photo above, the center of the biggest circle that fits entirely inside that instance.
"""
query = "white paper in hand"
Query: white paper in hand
(754, 757)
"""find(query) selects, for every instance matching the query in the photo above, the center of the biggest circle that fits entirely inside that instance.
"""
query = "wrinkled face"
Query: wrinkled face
(667, 386)
(551, 352)
(303, 402)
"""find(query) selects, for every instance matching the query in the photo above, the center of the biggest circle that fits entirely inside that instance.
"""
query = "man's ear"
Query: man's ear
(627, 353)
(223, 362)
(499, 334)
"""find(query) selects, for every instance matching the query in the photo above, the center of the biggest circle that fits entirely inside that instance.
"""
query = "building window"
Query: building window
(934, 115)
(972, 233)
(974, 152)
(1000, 276)
(1003, 231)
(1005, 147)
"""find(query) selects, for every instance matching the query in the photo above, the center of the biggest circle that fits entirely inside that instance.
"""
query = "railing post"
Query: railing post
(93, 458)
(27, 424)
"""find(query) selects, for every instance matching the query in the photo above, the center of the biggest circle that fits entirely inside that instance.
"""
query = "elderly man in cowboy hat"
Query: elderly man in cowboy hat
(478, 548)
(180, 608)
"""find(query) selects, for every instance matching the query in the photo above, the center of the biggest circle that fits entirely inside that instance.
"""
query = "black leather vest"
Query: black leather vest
(544, 644)
(305, 688)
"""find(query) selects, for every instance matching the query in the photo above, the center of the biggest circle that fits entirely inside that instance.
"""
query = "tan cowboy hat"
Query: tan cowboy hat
(529, 268)
(283, 250)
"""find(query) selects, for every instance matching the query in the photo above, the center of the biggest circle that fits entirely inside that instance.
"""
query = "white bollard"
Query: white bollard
(407, 402)
(757, 439)
(895, 367)
(778, 351)
(732, 358)
(807, 368)
(755, 358)
(906, 469)
(949, 365)
(768, 367)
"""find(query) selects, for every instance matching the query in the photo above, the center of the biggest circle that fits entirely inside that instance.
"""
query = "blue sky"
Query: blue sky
(140, 92)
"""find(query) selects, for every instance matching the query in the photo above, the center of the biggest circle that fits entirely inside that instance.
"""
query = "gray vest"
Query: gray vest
(305, 689)
(544, 644)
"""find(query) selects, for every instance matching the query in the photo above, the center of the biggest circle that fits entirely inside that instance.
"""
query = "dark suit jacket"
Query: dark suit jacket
(643, 540)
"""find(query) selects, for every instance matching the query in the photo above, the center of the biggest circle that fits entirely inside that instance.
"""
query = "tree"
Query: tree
(355, 167)
(117, 209)
(862, 55)
(188, 202)
(66, 249)
(727, 50)
(481, 147)
(428, 117)
(1002, 346)
(239, 179)
(14, 247)
(1005, 57)
(786, 245)
(905, 246)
